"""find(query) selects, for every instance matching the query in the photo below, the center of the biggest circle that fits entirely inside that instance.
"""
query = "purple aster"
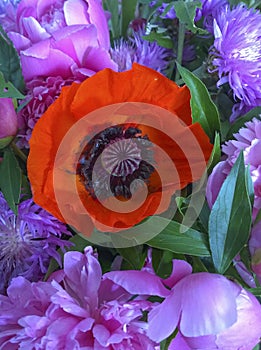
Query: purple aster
(247, 139)
(8, 14)
(137, 49)
(210, 312)
(209, 10)
(78, 308)
(28, 241)
(41, 93)
(237, 52)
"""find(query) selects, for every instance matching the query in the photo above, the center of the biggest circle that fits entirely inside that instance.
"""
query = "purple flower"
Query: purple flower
(210, 312)
(78, 308)
(62, 37)
(8, 119)
(171, 14)
(247, 139)
(209, 10)
(7, 14)
(137, 49)
(28, 241)
(237, 52)
(41, 93)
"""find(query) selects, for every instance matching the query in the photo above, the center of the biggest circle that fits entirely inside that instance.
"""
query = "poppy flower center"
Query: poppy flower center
(113, 159)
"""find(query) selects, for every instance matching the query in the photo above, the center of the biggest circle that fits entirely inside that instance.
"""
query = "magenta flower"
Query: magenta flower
(210, 312)
(28, 241)
(247, 139)
(237, 55)
(78, 308)
(8, 119)
(64, 37)
(42, 92)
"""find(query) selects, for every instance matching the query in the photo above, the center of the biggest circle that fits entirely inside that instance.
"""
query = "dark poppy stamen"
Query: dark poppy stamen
(113, 159)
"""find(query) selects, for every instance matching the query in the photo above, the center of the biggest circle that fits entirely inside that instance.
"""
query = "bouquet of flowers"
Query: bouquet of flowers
(130, 174)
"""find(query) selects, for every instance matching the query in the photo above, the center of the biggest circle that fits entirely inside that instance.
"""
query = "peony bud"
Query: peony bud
(8, 121)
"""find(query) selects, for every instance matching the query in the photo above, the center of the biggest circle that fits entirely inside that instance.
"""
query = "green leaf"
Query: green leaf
(135, 256)
(215, 154)
(186, 11)
(240, 122)
(231, 216)
(179, 239)
(10, 179)
(10, 62)
(203, 108)
(8, 89)
(113, 7)
(5, 141)
(128, 8)
(160, 38)
(255, 291)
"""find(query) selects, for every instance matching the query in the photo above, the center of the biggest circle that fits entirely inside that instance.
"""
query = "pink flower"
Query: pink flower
(210, 313)
(247, 139)
(79, 308)
(42, 92)
(62, 37)
(8, 119)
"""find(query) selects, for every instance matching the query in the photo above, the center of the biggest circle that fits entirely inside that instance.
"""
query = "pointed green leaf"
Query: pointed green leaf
(113, 7)
(179, 239)
(186, 11)
(10, 179)
(128, 8)
(7, 89)
(203, 108)
(231, 216)
(215, 154)
(135, 256)
(10, 62)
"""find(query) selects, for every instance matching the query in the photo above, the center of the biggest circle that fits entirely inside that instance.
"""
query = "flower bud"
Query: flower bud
(8, 121)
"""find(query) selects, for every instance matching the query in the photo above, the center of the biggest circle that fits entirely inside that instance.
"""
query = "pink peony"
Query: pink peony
(210, 313)
(79, 308)
(41, 94)
(62, 37)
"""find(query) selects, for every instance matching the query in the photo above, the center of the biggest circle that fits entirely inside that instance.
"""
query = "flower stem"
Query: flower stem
(181, 38)
(18, 152)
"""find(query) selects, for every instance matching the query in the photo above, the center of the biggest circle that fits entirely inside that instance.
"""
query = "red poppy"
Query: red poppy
(145, 116)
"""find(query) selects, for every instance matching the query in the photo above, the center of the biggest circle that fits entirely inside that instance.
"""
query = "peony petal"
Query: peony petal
(208, 304)
(75, 40)
(75, 12)
(34, 30)
(215, 181)
(42, 60)
(83, 276)
(164, 318)
(179, 343)
(19, 41)
(98, 18)
(138, 282)
(180, 269)
(97, 58)
(247, 329)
